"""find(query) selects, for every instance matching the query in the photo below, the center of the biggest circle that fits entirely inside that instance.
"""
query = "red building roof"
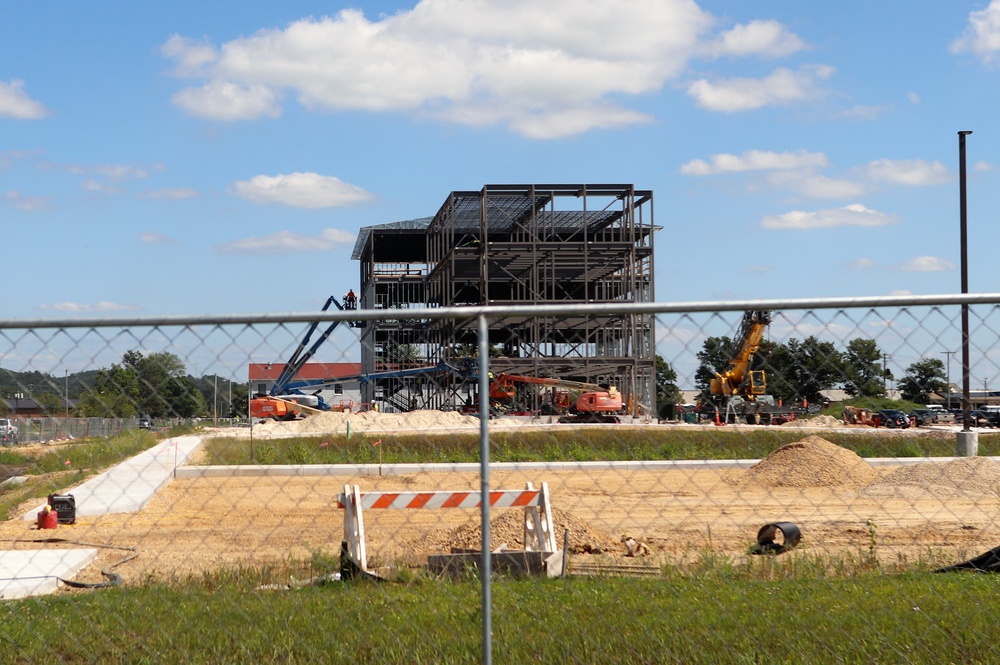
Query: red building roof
(271, 371)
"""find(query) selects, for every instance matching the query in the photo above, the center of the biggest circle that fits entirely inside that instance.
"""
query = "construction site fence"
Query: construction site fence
(737, 517)
(53, 429)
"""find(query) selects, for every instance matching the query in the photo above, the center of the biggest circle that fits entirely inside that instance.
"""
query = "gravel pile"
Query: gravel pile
(815, 421)
(966, 476)
(811, 462)
(335, 422)
(508, 527)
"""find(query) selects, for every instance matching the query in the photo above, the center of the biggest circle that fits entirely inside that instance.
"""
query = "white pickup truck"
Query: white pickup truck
(8, 432)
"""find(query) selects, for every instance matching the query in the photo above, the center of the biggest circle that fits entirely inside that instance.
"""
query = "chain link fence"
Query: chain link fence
(743, 489)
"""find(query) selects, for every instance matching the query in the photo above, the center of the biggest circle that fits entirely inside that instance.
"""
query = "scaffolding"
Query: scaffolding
(513, 244)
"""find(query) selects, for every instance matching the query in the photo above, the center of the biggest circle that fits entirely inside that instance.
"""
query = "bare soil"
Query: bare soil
(846, 509)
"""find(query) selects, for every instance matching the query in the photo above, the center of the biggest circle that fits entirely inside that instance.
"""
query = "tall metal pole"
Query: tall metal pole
(964, 241)
(949, 354)
(486, 564)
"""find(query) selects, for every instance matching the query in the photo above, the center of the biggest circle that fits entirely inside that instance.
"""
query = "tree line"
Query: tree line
(156, 385)
(802, 369)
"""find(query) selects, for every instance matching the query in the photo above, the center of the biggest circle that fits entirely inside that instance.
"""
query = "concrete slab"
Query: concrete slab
(36, 572)
(124, 488)
(129, 486)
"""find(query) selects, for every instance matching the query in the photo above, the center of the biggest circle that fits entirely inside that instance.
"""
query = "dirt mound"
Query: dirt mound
(811, 462)
(815, 421)
(508, 527)
(966, 476)
(335, 422)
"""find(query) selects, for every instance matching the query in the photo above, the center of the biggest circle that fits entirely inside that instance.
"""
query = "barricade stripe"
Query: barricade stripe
(456, 498)
(381, 501)
(420, 500)
(526, 498)
(402, 500)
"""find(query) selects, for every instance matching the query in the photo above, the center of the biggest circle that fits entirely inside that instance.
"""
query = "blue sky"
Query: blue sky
(215, 158)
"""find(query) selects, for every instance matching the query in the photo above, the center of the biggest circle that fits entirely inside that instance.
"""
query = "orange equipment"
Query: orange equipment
(595, 403)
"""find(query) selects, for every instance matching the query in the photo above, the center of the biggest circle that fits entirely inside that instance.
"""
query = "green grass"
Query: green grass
(916, 618)
(577, 444)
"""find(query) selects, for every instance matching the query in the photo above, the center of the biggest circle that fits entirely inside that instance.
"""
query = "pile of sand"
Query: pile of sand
(335, 422)
(965, 476)
(507, 527)
(811, 462)
(815, 421)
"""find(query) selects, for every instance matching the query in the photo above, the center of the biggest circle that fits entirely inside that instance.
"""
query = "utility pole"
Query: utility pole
(967, 440)
(885, 374)
(949, 354)
(964, 250)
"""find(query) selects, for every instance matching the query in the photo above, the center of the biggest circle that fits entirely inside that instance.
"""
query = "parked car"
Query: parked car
(8, 431)
(893, 418)
(145, 423)
(979, 418)
(945, 417)
(921, 417)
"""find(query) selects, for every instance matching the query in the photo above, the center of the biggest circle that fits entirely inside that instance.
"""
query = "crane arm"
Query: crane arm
(733, 380)
(298, 359)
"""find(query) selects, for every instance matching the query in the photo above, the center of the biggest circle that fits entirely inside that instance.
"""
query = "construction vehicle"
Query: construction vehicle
(573, 401)
(854, 415)
(739, 393)
(284, 400)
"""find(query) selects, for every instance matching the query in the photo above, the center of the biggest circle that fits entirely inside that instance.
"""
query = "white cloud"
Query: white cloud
(814, 186)
(27, 203)
(852, 215)
(982, 36)
(300, 190)
(153, 238)
(99, 188)
(754, 160)
(170, 194)
(783, 86)
(103, 306)
(927, 264)
(15, 103)
(913, 97)
(862, 264)
(912, 172)
(982, 165)
(541, 69)
(192, 57)
(766, 38)
(759, 269)
(287, 242)
(221, 100)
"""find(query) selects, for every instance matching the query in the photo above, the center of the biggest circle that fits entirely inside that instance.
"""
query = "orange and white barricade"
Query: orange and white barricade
(538, 534)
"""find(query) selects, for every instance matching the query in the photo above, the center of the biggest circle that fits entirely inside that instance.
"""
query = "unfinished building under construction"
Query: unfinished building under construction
(511, 245)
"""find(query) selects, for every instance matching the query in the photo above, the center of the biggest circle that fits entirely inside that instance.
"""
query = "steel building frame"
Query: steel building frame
(505, 245)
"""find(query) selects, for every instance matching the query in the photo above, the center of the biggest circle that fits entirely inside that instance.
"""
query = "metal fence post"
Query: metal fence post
(486, 565)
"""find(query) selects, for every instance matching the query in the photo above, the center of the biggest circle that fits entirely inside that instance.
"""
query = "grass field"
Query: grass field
(705, 619)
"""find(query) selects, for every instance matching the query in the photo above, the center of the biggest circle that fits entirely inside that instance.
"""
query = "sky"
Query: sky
(191, 158)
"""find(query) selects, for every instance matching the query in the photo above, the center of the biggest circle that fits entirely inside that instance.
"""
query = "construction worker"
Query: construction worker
(350, 300)
(375, 407)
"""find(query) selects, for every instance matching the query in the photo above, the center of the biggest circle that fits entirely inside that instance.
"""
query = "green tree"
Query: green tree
(162, 389)
(864, 375)
(714, 356)
(801, 370)
(115, 394)
(923, 378)
(667, 391)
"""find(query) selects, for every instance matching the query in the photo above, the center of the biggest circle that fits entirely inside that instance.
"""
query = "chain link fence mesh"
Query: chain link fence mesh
(202, 534)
